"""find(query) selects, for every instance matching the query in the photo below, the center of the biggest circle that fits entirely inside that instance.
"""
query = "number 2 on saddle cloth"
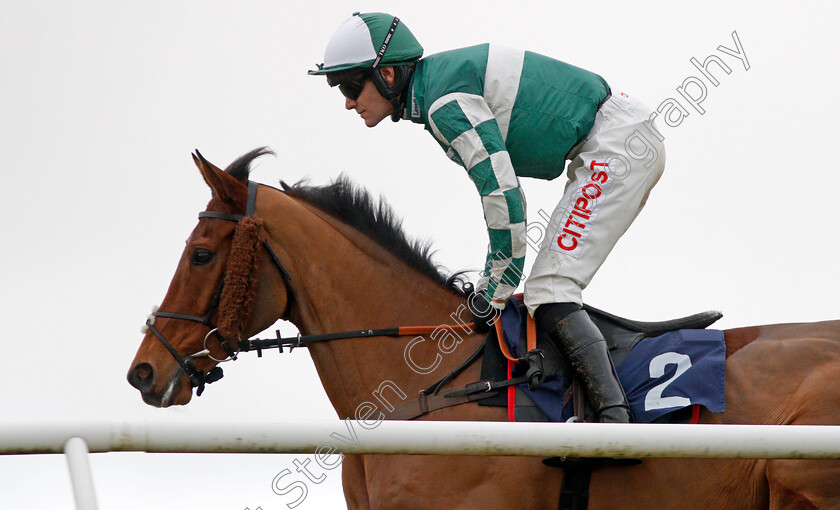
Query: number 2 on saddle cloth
(667, 375)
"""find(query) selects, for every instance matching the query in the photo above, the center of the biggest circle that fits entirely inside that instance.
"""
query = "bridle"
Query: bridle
(197, 377)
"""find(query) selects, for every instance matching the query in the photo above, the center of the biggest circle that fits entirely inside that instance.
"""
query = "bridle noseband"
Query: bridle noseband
(197, 377)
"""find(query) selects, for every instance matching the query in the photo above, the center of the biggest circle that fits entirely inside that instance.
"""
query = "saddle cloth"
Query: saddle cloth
(661, 374)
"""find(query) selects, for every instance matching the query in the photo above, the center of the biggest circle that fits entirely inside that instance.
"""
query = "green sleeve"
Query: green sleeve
(464, 124)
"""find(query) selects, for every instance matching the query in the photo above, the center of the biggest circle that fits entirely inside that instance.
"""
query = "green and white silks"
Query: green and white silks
(502, 114)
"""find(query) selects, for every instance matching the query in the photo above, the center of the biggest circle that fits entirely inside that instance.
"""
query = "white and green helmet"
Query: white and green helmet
(369, 40)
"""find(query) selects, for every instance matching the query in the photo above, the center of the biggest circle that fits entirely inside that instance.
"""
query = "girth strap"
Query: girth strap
(427, 403)
(436, 387)
(487, 386)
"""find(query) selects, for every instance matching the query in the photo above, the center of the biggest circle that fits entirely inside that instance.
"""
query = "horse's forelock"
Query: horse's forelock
(241, 167)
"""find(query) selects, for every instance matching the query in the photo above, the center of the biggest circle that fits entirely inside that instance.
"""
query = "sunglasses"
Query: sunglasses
(352, 87)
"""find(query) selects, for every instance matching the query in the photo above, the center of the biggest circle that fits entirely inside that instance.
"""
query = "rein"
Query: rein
(258, 344)
(198, 378)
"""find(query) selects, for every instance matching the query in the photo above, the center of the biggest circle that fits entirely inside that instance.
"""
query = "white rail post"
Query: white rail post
(76, 451)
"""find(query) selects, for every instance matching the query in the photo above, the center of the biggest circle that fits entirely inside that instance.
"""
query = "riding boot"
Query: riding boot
(582, 343)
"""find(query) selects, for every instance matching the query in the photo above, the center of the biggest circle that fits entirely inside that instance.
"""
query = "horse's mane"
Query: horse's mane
(356, 207)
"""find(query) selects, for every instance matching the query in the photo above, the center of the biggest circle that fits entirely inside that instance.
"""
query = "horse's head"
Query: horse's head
(225, 288)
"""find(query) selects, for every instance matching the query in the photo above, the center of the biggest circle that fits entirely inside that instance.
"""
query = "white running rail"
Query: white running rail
(437, 438)
(409, 437)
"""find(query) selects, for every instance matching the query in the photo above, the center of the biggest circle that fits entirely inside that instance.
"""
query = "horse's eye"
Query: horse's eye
(201, 256)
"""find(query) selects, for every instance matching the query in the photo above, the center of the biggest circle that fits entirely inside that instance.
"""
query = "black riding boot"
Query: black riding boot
(582, 343)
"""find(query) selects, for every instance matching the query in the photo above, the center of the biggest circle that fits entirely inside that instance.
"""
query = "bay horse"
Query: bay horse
(346, 264)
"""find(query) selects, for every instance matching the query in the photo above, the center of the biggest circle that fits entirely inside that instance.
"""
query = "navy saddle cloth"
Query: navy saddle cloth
(665, 367)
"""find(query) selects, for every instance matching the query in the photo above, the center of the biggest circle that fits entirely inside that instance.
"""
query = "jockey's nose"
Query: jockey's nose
(142, 377)
(349, 103)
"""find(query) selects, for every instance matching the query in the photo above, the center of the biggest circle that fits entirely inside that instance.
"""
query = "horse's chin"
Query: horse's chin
(174, 393)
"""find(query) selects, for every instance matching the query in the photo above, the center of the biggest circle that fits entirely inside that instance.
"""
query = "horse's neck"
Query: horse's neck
(344, 281)
(350, 282)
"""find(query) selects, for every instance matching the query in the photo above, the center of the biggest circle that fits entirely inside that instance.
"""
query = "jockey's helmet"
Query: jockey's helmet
(366, 42)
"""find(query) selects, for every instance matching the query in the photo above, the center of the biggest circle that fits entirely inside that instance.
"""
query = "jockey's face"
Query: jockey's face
(370, 105)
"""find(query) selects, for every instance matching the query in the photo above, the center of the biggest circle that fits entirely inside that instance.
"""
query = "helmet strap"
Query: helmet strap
(384, 89)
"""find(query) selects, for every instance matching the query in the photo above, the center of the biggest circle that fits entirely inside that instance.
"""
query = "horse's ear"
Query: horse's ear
(226, 187)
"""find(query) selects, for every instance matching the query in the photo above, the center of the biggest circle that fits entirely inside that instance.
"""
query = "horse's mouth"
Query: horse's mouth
(170, 394)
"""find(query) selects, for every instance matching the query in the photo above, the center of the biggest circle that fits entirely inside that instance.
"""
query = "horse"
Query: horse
(330, 258)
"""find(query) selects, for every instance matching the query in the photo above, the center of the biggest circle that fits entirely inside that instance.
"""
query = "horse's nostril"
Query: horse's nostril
(142, 376)
(144, 371)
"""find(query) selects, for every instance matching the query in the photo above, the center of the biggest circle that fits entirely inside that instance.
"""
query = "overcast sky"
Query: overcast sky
(101, 104)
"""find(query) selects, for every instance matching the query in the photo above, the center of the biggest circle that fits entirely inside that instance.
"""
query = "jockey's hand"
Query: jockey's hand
(483, 315)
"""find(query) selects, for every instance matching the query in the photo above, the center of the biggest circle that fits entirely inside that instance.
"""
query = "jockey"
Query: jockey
(502, 114)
